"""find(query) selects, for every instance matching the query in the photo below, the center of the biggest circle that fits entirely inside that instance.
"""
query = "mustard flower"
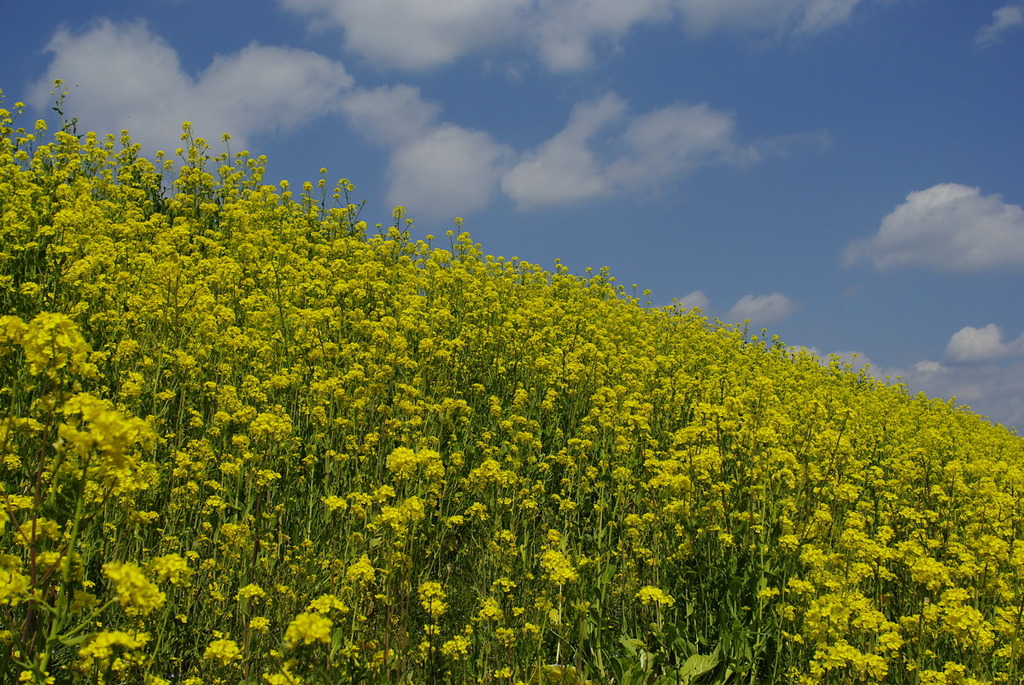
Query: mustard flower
(224, 651)
(457, 647)
(362, 571)
(107, 430)
(650, 594)
(250, 591)
(171, 568)
(490, 610)
(101, 646)
(325, 603)
(134, 591)
(558, 568)
(260, 623)
(13, 586)
(51, 341)
(432, 596)
(271, 426)
(307, 628)
(403, 462)
(334, 503)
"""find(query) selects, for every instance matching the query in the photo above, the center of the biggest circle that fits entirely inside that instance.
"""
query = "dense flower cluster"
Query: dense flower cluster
(243, 438)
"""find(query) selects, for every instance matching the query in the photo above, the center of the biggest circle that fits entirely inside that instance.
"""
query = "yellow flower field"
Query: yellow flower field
(246, 438)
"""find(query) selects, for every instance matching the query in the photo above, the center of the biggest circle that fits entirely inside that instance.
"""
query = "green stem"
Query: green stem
(61, 602)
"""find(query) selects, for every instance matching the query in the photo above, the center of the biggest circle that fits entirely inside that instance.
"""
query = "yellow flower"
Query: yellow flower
(83, 601)
(649, 594)
(107, 430)
(260, 623)
(490, 610)
(334, 503)
(325, 603)
(432, 598)
(51, 342)
(402, 462)
(457, 647)
(308, 628)
(101, 646)
(224, 651)
(558, 568)
(271, 426)
(283, 677)
(134, 591)
(171, 568)
(362, 571)
(249, 591)
(505, 636)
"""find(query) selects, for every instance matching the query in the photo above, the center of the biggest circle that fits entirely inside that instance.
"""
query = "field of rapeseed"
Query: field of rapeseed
(244, 438)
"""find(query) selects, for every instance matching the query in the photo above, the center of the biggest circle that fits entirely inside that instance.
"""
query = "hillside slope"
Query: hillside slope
(276, 447)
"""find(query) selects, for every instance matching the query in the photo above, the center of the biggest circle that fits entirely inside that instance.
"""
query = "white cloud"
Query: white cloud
(118, 77)
(263, 88)
(695, 299)
(436, 169)
(762, 309)
(990, 385)
(821, 15)
(602, 149)
(948, 227)
(442, 168)
(764, 16)
(673, 139)
(420, 34)
(564, 169)
(993, 389)
(970, 345)
(390, 114)
(1003, 19)
(121, 76)
(415, 34)
(926, 366)
(564, 31)
(637, 152)
(447, 172)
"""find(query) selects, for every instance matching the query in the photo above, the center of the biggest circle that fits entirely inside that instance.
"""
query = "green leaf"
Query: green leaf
(697, 665)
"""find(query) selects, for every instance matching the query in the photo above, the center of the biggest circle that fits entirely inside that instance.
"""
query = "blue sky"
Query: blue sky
(845, 173)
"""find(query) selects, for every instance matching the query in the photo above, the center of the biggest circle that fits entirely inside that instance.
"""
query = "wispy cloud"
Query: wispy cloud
(565, 169)
(1004, 19)
(994, 389)
(972, 345)
(435, 168)
(604, 147)
(759, 16)
(990, 383)
(449, 171)
(390, 115)
(762, 309)
(562, 35)
(413, 34)
(122, 76)
(695, 299)
(948, 227)
(980, 368)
